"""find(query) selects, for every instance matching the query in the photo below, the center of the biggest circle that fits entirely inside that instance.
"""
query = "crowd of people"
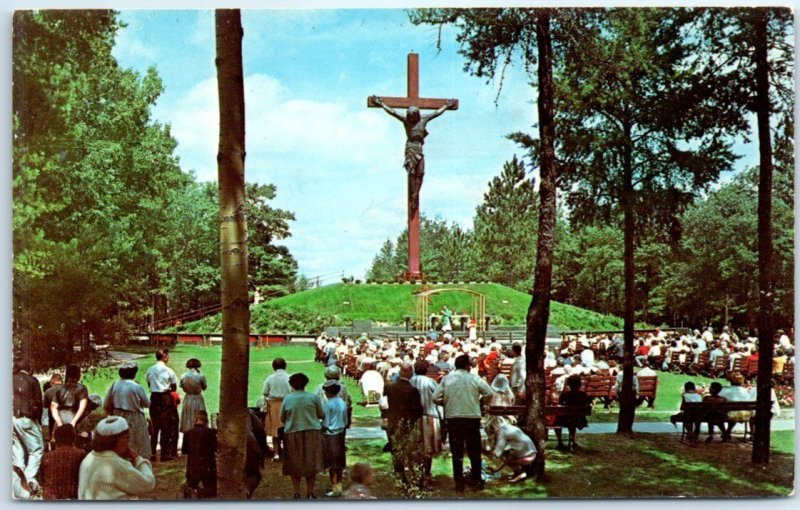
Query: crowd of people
(691, 352)
(434, 391)
(72, 458)
(436, 387)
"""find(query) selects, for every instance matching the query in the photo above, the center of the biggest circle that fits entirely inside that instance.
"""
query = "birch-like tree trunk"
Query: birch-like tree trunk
(233, 254)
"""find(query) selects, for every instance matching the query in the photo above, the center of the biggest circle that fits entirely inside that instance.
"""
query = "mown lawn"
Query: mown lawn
(299, 358)
(606, 466)
(391, 302)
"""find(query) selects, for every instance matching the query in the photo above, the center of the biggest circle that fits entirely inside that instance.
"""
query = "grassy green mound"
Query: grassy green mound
(340, 304)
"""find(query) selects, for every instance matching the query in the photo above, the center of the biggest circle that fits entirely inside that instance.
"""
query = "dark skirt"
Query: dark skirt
(333, 451)
(579, 422)
(302, 453)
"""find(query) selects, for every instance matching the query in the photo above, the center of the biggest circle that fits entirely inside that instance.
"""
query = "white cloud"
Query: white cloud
(203, 32)
(128, 45)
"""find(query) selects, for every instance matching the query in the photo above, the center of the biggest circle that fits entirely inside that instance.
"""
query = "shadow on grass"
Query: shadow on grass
(606, 466)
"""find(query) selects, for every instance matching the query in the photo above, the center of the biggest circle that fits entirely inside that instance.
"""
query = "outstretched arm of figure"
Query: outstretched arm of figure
(449, 104)
(378, 101)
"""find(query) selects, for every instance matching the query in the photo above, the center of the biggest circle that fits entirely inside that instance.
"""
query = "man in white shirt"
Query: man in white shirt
(162, 380)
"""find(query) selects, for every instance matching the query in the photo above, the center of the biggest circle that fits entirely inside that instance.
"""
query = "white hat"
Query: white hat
(111, 426)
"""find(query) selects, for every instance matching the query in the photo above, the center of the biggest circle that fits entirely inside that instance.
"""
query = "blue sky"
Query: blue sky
(336, 164)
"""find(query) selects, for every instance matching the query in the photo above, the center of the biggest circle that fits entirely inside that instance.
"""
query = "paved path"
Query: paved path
(646, 427)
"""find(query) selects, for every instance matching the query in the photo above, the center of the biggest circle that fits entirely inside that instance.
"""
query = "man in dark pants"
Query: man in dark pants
(27, 440)
(460, 392)
(162, 381)
(404, 413)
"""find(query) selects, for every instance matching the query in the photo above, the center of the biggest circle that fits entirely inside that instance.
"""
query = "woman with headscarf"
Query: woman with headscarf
(193, 383)
(113, 470)
(71, 405)
(128, 399)
(502, 395)
(301, 413)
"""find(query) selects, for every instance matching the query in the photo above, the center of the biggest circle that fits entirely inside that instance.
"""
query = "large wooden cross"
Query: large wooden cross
(412, 99)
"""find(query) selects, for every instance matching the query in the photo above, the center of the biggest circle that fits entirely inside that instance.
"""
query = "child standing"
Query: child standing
(200, 448)
(333, 427)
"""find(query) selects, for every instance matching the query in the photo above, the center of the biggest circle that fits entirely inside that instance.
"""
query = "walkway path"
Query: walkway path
(646, 427)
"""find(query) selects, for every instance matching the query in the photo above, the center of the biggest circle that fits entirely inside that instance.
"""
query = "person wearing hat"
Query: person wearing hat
(112, 470)
(301, 412)
(333, 429)
(333, 374)
(60, 467)
(127, 398)
(276, 388)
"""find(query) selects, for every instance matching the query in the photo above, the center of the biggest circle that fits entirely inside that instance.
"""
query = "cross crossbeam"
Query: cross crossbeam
(412, 97)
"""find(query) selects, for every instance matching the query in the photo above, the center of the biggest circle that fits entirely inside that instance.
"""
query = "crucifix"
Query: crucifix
(414, 162)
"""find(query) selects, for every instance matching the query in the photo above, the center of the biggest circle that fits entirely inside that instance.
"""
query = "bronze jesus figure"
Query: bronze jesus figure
(415, 124)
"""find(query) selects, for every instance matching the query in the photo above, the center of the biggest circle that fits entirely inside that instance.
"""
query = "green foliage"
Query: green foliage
(715, 268)
(340, 304)
(107, 229)
(446, 254)
(92, 181)
(505, 228)
(406, 441)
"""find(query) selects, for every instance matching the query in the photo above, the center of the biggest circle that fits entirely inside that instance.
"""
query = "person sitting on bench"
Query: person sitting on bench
(689, 395)
(573, 397)
(714, 419)
(736, 392)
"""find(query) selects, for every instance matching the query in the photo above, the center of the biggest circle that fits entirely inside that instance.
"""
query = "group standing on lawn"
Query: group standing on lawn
(425, 398)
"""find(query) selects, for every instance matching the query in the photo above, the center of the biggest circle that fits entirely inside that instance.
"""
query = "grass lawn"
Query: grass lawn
(606, 466)
(389, 303)
(299, 359)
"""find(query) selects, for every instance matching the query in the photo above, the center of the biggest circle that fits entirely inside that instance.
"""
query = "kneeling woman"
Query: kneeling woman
(301, 413)
(513, 447)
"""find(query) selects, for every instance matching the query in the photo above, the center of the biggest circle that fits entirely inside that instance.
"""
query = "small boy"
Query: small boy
(361, 474)
(200, 448)
(333, 427)
(60, 467)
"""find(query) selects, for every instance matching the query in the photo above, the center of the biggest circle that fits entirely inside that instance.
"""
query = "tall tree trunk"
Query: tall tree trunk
(233, 255)
(765, 287)
(627, 399)
(539, 309)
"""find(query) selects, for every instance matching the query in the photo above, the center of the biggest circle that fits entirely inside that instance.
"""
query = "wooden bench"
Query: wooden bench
(551, 412)
(647, 389)
(675, 363)
(599, 386)
(711, 412)
(719, 367)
